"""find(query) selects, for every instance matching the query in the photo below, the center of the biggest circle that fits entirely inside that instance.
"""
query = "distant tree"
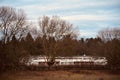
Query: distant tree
(13, 28)
(68, 46)
(82, 47)
(1, 57)
(11, 54)
(29, 44)
(53, 30)
(24, 51)
(108, 34)
(12, 22)
(38, 46)
(111, 38)
(112, 52)
(94, 46)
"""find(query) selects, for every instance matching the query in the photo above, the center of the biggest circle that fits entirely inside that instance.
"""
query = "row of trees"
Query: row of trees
(19, 39)
(54, 37)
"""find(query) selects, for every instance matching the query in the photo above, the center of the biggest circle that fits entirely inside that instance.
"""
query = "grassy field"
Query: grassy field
(60, 75)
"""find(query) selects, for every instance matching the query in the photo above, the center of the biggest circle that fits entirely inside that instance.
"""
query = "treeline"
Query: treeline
(53, 37)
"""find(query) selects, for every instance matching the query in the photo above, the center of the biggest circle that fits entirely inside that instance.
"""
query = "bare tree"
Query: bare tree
(111, 47)
(12, 22)
(109, 34)
(52, 31)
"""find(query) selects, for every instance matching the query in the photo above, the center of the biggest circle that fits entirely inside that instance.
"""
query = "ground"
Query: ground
(61, 75)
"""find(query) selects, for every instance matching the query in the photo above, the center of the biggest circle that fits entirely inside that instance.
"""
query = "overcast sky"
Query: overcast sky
(89, 16)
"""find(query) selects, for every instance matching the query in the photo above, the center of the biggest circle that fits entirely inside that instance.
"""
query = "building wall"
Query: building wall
(79, 60)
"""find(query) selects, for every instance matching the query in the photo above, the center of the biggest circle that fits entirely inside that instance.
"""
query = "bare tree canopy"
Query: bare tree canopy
(55, 27)
(12, 22)
(109, 34)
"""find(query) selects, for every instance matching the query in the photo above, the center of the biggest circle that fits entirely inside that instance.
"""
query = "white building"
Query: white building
(76, 60)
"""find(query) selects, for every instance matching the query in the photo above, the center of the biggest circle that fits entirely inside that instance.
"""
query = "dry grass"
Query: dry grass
(59, 75)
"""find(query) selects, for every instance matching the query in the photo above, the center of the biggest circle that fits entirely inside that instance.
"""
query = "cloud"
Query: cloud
(82, 9)
(91, 17)
(59, 6)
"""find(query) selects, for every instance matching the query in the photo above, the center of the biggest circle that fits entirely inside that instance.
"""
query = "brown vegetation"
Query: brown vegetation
(60, 75)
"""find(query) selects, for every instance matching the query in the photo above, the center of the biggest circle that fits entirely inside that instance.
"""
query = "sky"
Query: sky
(88, 16)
